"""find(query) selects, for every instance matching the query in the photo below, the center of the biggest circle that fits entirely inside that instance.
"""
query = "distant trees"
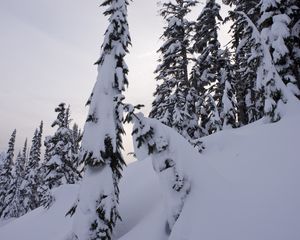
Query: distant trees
(7, 188)
(32, 180)
(24, 185)
(16, 207)
(60, 166)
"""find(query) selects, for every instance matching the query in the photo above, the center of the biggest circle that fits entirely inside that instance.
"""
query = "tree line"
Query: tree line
(203, 88)
(26, 180)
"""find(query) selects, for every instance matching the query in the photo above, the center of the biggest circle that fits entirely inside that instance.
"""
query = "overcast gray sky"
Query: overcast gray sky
(47, 51)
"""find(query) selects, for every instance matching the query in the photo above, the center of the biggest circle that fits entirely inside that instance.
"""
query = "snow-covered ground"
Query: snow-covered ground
(245, 186)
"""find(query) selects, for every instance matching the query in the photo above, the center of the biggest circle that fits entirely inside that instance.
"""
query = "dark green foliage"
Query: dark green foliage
(205, 74)
(7, 187)
(175, 101)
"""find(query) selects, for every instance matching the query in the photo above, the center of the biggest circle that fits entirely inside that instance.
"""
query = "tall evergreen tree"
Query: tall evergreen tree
(97, 212)
(58, 167)
(205, 74)
(273, 94)
(276, 23)
(32, 180)
(16, 207)
(76, 141)
(246, 60)
(7, 177)
(228, 105)
(2, 158)
(175, 98)
(24, 151)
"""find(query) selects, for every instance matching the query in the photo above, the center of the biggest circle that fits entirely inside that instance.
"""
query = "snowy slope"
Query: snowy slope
(137, 198)
(246, 185)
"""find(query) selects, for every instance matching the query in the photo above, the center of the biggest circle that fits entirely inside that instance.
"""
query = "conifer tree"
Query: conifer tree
(16, 207)
(76, 140)
(227, 106)
(273, 94)
(7, 177)
(276, 24)
(2, 158)
(150, 140)
(246, 61)
(205, 74)
(32, 180)
(175, 98)
(97, 212)
(59, 167)
(24, 152)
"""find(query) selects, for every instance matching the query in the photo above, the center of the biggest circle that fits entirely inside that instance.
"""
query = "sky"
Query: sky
(47, 51)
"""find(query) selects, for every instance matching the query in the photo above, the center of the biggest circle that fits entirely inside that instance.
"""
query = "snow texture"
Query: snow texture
(244, 186)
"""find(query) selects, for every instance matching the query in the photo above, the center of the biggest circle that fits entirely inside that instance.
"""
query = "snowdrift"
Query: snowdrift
(245, 186)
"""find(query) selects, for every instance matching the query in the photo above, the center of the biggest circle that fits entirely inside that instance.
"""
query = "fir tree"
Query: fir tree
(276, 24)
(175, 99)
(16, 207)
(7, 177)
(273, 94)
(246, 61)
(227, 106)
(32, 180)
(148, 136)
(58, 167)
(24, 151)
(205, 74)
(76, 141)
(96, 213)
(2, 159)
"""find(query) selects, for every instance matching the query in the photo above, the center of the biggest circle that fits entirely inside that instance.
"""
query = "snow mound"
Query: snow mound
(246, 185)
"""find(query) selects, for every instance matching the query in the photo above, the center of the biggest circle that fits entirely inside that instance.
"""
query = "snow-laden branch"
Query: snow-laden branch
(276, 95)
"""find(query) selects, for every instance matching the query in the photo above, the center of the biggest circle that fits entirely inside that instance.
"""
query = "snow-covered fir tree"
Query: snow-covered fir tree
(272, 92)
(150, 139)
(7, 177)
(227, 105)
(16, 207)
(30, 187)
(245, 61)
(2, 158)
(76, 142)
(97, 212)
(175, 98)
(276, 23)
(205, 73)
(59, 166)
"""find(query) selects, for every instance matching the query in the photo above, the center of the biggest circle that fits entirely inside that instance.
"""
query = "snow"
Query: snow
(136, 202)
(101, 109)
(88, 195)
(245, 185)
(43, 224)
